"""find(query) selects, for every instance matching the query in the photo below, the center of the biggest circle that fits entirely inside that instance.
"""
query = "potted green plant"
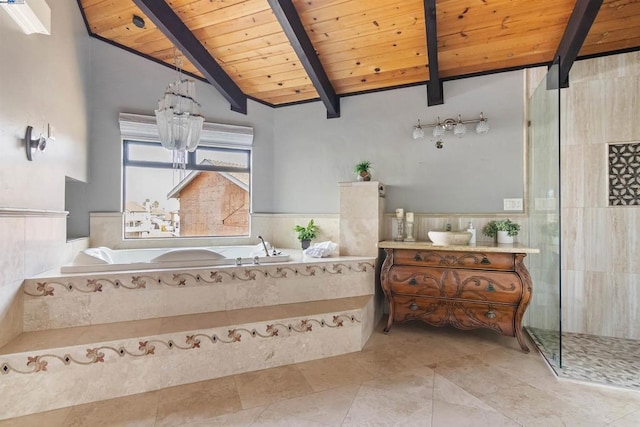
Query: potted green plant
(363, 170)
(502, 229)
(306, 234)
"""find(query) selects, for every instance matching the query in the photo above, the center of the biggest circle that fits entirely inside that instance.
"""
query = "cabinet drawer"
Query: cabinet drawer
(460, 314)
(489, 286)
(472, 260)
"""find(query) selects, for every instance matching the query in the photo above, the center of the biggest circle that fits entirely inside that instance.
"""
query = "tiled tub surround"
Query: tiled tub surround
(54, 301)
(416, 376)
(99, 336)
(57, 368)
(33, 241)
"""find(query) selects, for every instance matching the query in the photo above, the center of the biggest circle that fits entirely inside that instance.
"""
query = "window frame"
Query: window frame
(138, 129)
(190, 164)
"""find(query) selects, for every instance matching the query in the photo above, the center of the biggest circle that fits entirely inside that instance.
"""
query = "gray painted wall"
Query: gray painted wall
(300, 156)
(469, 175)
(123, 82)
(43, 79)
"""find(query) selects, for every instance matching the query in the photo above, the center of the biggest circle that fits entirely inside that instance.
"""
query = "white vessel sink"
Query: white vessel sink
(442, 238)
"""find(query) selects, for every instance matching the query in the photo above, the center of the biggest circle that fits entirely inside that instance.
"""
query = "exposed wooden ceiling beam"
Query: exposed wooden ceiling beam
(435, 95)
(174, 29)
(289, 19)
(582, 17)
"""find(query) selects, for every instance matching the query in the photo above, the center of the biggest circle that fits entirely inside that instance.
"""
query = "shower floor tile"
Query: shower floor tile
(597, 359)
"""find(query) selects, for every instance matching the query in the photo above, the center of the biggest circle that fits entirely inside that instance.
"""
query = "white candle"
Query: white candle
(399, 213)
(409, 216)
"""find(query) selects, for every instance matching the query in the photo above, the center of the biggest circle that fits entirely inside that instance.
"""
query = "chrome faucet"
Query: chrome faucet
(266, 251)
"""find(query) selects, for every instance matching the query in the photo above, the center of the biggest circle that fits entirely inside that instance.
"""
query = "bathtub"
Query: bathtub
(95, 260)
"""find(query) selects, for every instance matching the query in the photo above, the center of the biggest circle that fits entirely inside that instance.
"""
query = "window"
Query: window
(209, 197)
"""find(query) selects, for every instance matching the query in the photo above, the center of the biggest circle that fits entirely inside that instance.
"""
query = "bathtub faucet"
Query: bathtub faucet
(266, 251)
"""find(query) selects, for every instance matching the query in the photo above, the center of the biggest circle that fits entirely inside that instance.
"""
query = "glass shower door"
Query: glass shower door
(543, 320)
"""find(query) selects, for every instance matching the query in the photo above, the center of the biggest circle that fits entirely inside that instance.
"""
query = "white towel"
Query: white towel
(321, 250)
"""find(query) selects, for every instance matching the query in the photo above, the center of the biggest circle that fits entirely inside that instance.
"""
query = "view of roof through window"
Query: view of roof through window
(162, 201)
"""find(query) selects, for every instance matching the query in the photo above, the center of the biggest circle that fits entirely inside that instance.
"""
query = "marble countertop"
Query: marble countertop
(480, 247)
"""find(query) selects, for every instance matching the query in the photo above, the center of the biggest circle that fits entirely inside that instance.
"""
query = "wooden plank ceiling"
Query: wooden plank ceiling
(365, 45)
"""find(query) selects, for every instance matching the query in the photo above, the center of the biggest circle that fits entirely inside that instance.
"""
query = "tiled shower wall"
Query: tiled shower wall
(600, 244)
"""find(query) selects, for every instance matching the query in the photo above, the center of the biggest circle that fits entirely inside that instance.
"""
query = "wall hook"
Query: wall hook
(32, 145)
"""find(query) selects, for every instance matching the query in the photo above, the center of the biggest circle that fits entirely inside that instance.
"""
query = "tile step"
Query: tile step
(74, 301)
(44, 370)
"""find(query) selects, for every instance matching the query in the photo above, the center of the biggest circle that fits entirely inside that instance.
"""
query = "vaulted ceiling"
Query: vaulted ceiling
(286, 51)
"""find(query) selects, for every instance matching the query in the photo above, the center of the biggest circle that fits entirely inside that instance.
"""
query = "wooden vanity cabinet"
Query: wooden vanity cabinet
(465, 289)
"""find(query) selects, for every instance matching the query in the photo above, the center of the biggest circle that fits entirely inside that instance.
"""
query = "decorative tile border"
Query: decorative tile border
(93, 285)
(624, 174)
(39, 363)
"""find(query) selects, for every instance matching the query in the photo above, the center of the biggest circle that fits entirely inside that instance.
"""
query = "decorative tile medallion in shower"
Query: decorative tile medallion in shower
(624, 174)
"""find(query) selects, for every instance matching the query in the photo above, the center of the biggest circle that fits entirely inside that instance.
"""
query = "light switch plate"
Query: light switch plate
(51, 132)
(512, 204)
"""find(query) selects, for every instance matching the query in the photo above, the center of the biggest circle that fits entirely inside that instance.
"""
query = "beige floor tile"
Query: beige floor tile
(389, 360)
(53, 418)
(243, 418)
(136, 410)
(447, 414)
(604, 403)
(270, 385)
(446, 391)
(278, 419)
(531, 406)
(476, 341)
(377, 407)
(428, 352)
(327, 407)
(418, 343)
(475, 376)
(516, 363)
(332, 372)
(197, 401)
(631, 420)
(416, 382)
(379, 339)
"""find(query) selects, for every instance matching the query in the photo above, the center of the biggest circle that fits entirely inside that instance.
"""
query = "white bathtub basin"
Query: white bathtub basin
(443, 238)
(97, 260)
